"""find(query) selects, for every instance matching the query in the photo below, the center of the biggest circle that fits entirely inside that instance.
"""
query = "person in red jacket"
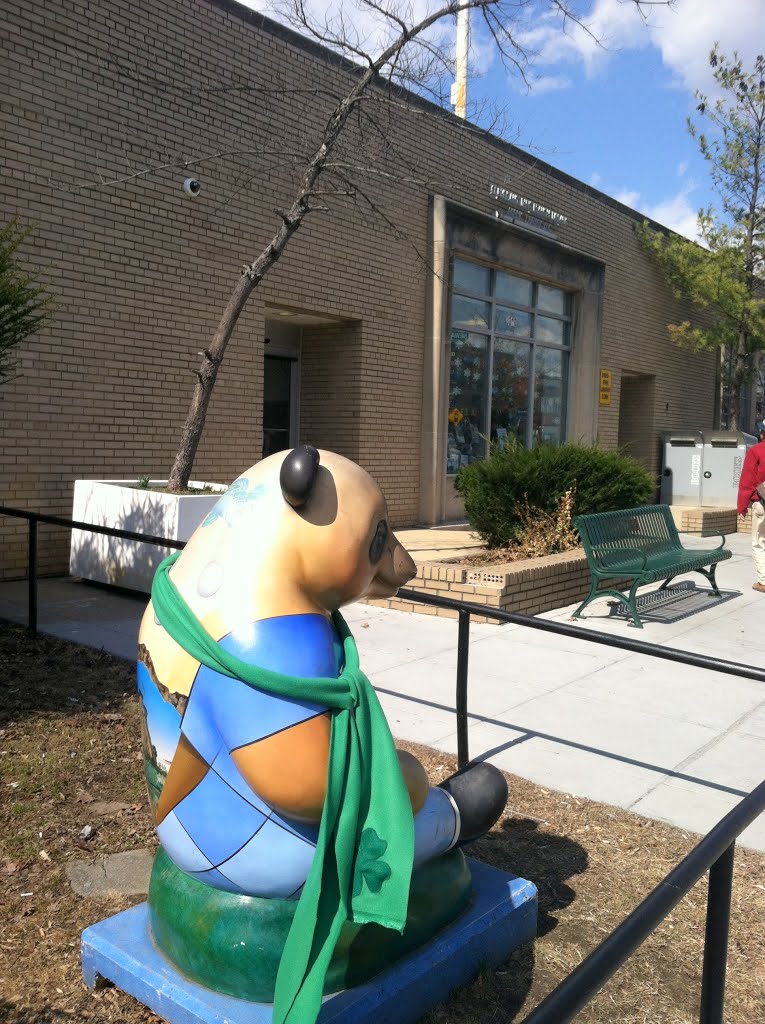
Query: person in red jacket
(751, 494)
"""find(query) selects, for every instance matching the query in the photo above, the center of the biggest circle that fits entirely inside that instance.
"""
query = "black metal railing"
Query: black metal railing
(714, 853)
(33, 518)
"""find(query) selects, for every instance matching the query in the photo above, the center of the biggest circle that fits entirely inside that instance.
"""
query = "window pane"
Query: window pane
(510, 391)
(550, 375)
(513, 289)
(472, 277)
(512, 321)
(553, 300)
(546, 329)
(470, 312)
(468, 392)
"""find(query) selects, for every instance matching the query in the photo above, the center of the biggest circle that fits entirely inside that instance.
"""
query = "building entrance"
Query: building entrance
(281, 386)
(278, 404)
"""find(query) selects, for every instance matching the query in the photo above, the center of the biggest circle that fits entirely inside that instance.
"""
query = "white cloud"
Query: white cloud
(682, 167)
(596, 179)
(675, 211)
(607, 27)
(684, 34)
(630, 197)
(541, 84)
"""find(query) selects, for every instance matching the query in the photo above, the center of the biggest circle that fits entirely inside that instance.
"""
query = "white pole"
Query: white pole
(459, 90)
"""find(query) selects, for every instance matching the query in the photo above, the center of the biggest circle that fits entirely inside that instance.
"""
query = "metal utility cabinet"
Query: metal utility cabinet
(724, 452)
(703, 467)
(683, 454)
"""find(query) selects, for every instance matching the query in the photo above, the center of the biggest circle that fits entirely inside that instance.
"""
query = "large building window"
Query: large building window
(508, 375)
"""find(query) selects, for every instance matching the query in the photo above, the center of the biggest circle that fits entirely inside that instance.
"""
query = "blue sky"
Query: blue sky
(612, 114)
(615, 115)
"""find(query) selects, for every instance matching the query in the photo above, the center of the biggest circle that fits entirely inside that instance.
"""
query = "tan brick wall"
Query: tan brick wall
(330, 387)
(694, 520)
(637, 416)
(526, 587)
(104, 91)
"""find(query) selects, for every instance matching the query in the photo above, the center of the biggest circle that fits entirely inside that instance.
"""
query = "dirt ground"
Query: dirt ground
(70, 757)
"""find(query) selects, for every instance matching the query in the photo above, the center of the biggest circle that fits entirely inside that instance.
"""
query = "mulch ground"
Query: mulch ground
(71, 767)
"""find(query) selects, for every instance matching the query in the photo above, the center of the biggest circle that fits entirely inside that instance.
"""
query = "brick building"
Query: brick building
(482, 292)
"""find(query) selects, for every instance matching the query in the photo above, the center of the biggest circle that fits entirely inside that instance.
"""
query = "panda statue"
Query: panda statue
(238, 770)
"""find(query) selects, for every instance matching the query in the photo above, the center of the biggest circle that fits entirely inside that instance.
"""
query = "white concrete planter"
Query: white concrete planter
(115, 503)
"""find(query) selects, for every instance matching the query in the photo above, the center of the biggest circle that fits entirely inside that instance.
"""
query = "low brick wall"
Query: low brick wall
(530, 586)
(723, 520)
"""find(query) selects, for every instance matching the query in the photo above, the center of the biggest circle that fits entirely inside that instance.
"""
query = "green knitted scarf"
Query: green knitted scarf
(362, 867)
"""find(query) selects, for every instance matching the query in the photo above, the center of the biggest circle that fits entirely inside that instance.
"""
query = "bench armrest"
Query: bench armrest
(620, 556)
(709, 533)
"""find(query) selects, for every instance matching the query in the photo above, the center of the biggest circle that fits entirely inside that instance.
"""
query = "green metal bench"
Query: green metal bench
(641, 545)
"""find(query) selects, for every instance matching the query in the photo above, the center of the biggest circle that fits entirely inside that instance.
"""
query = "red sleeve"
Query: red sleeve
(752, 475)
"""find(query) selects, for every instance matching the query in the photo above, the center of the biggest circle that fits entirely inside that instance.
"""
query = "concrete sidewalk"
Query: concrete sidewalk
(671, 742)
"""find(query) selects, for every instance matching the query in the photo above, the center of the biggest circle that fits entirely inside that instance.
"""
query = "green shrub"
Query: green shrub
(496, 489)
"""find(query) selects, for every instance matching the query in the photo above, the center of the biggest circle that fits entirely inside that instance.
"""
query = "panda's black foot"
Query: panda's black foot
(480, 793)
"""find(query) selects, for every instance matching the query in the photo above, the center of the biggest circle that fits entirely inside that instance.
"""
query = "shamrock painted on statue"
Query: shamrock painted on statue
(301, 853)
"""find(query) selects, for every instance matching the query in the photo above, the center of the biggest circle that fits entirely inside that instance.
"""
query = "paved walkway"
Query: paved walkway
(668, 741)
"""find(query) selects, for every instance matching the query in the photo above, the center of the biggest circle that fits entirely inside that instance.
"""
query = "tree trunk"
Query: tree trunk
(739, 377)
(207, 374)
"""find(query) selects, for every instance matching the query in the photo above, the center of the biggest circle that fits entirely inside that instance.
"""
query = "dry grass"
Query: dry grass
(70, 757)
(539, 534)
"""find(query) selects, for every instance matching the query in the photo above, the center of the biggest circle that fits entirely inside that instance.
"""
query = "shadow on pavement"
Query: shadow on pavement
(677, 602)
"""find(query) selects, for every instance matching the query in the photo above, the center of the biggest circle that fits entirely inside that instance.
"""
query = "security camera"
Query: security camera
(192, 187)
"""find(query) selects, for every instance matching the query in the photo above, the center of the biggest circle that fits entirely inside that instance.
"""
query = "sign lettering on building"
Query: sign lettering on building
(606, 381)
(695, 469)
(520, 210)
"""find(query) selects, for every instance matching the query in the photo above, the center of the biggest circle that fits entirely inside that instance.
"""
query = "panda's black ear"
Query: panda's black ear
(298, 475)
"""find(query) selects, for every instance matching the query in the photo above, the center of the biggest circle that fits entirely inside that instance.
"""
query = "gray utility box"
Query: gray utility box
(683, 455)
(724, 452)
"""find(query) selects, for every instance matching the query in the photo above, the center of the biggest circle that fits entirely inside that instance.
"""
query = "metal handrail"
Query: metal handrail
(591, 636)
(714, 853)
(43, 517)
(33, 518)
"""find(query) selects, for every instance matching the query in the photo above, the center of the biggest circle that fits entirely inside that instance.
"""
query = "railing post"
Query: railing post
(716, 938)
(463, 648)
(32, 578)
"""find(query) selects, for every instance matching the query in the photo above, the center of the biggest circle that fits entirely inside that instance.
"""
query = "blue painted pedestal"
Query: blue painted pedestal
(502, 917)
